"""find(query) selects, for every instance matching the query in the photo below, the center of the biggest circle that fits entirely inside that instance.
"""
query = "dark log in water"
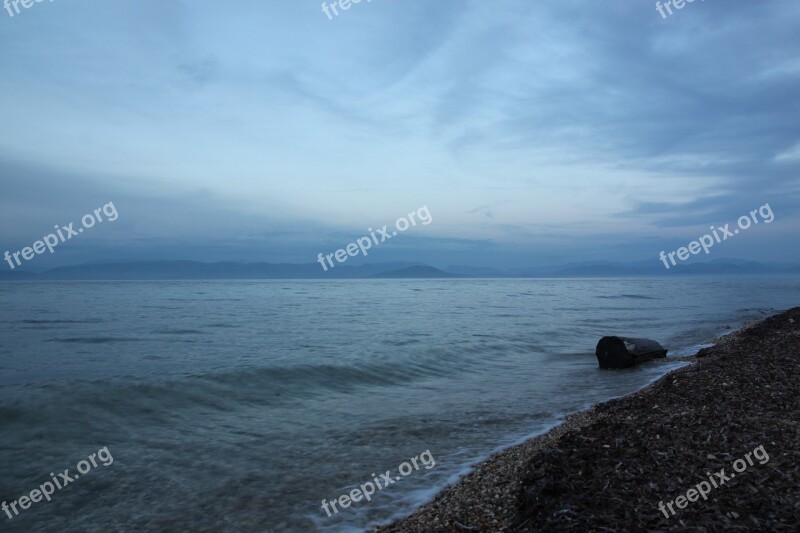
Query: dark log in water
(625, 352)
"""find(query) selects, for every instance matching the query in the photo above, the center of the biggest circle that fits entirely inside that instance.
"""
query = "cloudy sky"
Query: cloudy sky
(535, 132)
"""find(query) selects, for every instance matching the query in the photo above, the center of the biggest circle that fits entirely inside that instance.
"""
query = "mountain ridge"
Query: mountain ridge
(197, 270)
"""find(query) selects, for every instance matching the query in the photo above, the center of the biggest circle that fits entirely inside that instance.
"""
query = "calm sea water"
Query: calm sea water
(239, 406)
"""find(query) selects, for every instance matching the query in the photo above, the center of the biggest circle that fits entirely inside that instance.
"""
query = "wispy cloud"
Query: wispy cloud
(265, 117)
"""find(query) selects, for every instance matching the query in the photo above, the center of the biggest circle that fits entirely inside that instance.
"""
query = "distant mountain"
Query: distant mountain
(719, 267)
(478, 272)
(17, 275)
(195, 270)
(417, 272)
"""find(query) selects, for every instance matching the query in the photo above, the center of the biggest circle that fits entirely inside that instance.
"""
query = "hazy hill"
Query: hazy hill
(192, 270)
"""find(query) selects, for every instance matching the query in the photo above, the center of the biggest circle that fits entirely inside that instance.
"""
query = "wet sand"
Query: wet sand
(608, 468)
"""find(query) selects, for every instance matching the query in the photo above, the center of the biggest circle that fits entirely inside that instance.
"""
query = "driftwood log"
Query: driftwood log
(625, 352)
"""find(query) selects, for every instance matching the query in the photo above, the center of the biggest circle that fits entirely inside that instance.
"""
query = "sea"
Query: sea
(243, 405)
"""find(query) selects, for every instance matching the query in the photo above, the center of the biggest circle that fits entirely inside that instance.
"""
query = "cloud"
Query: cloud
(789, 156)
(266, 130)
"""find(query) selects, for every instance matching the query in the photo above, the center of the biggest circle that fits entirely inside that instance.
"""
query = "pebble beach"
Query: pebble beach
(616, 465)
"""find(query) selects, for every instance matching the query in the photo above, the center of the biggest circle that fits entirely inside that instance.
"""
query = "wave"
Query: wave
(93, 340)
(628, 296)
(47, 322)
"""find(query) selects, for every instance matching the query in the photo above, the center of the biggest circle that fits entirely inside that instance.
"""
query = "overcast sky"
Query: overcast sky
(536, 132)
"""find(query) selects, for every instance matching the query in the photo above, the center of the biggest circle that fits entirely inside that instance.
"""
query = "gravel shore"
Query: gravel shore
(608, 468)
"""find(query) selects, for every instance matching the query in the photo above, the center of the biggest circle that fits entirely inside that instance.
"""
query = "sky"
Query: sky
(535, 132)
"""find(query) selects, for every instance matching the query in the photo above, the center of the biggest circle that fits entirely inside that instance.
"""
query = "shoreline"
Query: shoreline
(550, 482)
